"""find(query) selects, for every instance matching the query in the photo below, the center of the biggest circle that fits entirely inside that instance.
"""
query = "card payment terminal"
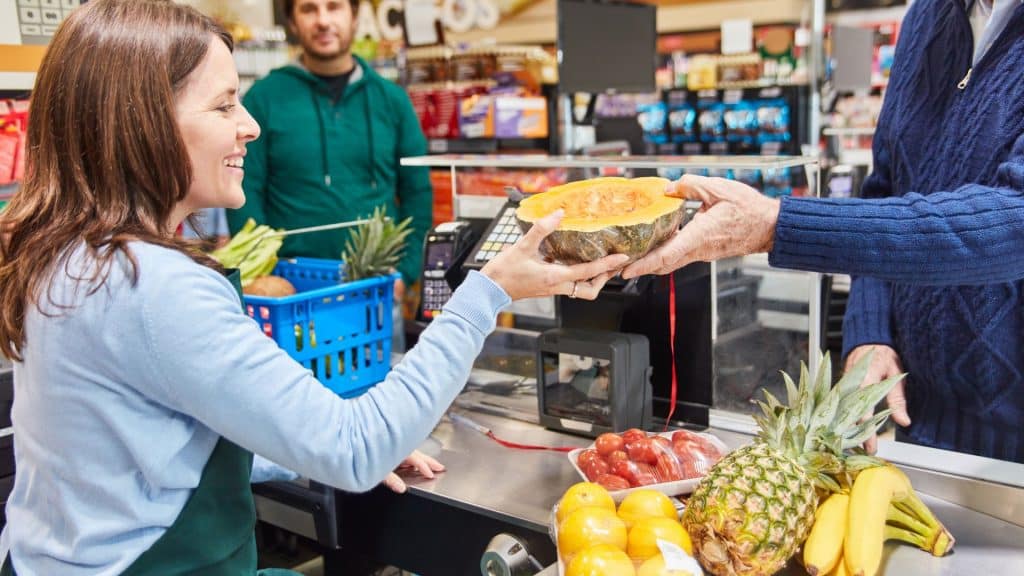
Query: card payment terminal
(443, 248)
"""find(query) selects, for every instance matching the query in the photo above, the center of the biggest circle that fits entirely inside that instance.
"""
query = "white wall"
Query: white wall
(255, 13)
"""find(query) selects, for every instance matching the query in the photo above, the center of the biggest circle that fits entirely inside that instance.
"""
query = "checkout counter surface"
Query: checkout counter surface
(522, 486)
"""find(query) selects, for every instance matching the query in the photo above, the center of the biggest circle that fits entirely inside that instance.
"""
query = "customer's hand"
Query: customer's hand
(522, 273)
(735, 220)
(418, 462)
(884, 364)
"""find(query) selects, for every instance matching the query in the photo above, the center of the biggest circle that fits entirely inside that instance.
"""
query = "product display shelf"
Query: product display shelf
(571, 161)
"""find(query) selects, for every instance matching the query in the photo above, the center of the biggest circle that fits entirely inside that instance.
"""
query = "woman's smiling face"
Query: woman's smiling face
(215, 128)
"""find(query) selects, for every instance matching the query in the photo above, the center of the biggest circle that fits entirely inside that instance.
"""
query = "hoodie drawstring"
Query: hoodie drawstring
(369, 134)
(323, 138)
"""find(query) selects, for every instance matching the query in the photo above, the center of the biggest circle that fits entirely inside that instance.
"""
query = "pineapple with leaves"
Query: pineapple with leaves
(756, 506)
(375, 247)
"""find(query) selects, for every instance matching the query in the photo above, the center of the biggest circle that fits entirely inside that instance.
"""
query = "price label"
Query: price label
(677, 559)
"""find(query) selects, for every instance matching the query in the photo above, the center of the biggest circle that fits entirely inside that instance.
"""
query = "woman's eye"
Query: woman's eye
(226, 108)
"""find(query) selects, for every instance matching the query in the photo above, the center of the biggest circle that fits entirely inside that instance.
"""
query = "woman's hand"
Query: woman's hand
(416, 462)
(884, 364)
(735, 220)
(522, 273)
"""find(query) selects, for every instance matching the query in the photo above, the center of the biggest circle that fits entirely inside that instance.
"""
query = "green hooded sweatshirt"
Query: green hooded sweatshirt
(319, 161)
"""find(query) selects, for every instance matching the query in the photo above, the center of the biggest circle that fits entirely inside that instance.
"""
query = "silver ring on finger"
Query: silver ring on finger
(575, 284)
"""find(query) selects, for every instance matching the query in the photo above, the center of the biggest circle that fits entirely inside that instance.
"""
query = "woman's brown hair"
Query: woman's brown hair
(106, 163)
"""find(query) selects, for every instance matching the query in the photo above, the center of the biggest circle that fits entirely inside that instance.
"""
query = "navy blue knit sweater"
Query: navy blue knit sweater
(938, 260)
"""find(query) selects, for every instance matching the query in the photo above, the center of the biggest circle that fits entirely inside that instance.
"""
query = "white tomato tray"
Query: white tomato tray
(674, 488)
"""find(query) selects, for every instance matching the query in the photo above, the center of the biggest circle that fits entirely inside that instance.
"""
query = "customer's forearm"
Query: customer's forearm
(971, 236)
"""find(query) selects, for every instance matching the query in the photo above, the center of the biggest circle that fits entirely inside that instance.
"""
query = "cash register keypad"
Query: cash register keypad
(504, 233)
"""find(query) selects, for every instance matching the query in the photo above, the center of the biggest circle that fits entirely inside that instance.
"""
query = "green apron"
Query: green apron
(214, 535)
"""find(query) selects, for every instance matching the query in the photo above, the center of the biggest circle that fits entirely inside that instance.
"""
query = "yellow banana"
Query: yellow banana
(911, 513)
(873, 490)
(840, 569)
(823, 549)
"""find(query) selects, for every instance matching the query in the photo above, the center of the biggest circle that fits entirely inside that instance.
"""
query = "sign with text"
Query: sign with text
(386, 19)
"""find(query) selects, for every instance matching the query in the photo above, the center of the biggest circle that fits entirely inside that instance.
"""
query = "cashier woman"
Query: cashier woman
(141, 389)
(936, 249)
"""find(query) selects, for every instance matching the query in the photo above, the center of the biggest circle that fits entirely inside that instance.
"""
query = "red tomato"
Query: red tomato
(633, 434)
(613, 482)
(645, 451)
(709, 449)
(643, 475)
(692, 469)
(697, 442)
(668, 468)
(595, 468)
(683, 435)
(607, 443)
(663, 441)
(625, 469)
(617, 456)
(683, 449)
(586, 457)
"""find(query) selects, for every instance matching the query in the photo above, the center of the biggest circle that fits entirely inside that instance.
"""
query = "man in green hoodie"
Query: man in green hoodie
(333, 133)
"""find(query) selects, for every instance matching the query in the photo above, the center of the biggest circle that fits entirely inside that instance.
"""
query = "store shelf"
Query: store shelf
(543, 161)
(484, 145)
(866, 131)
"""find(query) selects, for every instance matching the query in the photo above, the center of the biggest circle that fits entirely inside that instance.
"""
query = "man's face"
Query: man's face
(324, 27)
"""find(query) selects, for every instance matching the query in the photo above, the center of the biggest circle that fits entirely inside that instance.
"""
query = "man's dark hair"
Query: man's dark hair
(289, 8)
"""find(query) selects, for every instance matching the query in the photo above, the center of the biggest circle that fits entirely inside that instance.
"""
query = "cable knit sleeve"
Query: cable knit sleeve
(972, 235)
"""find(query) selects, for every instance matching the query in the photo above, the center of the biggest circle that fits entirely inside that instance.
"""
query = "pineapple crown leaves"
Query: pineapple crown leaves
(820, 426)
(375, 247)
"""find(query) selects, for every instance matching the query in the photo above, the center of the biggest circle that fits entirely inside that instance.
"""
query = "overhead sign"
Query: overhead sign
(385, 19)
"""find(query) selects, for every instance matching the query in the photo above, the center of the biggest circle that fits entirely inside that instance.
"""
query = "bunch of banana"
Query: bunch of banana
(850, 529)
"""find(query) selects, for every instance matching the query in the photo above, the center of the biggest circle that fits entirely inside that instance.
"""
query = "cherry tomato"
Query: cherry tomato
(643, 475)
(683, 435)
(643, 451)
(595, 468)
(668, 468)
(586, 457)
(613, 482)
(663, 441)
(617, 456)
(708, 448)
(607, 443)
(625, 469)
(692, 469)
(685, 449)
(633, 434)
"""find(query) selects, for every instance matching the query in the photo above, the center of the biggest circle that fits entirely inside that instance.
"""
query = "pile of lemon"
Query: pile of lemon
(596, 538)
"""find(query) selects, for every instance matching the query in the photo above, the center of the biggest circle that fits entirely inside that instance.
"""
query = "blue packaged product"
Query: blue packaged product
(711, 123)
(750, 177)
(777, 183)
(740, 121)
(682, 123)
(652, 119)
(671, 173)
(773, 121)
(726, 173)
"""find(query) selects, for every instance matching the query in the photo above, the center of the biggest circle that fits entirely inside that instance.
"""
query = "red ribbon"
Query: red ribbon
(508, 444)
(672, 343)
